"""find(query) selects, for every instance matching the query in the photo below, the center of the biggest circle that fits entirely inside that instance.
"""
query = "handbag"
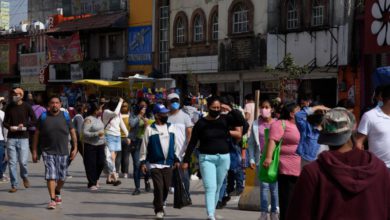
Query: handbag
(270, 175)
(181, 197)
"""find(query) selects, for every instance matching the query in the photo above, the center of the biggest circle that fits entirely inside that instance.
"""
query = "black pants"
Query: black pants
(94, 159)
(286, 186)
(122, 159)
(161, 182)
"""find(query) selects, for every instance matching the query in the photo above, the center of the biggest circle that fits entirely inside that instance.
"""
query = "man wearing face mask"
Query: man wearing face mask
(160, 148)
(19, 116)
(184, 125)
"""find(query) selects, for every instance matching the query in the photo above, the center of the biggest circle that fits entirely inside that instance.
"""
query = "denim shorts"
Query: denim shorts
(114, 143)
(56, 166)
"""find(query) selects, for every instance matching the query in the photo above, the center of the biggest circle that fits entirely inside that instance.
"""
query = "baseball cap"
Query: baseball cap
(160, 108)
(337, 126)
(18, 91)
(173, 96)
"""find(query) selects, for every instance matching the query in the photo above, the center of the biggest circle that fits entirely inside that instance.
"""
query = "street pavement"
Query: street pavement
(109, 202)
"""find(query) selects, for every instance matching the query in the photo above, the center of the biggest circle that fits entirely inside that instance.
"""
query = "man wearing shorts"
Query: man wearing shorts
(52, 133)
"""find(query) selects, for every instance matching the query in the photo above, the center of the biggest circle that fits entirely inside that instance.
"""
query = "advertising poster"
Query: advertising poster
(66, 50)
(140, 45)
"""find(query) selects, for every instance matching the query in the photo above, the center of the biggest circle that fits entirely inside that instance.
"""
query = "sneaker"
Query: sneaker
(136, 192)
(93, 188)
(68, 176)
(26, 183)
(13, 190)
(165, 205)
(117, 183)
(210, 217)
(219, 205)
(171, 190)
(264, 216)
(125, 176)
(147, 186)
(160, 215)
(52, 205)
(58, 200)
(225, 200)
(4, 180)
(274, 216)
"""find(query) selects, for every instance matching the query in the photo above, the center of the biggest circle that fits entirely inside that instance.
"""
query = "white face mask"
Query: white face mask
(1, 106)
(15, 98)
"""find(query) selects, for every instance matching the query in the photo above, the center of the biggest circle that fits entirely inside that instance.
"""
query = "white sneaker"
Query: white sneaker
(274, 216)
(211, 217)
(171, 190)
(264, 216)
(160, 215)
(125, 176)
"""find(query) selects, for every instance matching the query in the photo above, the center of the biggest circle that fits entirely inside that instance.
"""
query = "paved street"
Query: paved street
(108, 203)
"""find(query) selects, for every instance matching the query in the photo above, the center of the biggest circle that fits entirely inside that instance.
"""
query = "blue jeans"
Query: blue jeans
(213, 169)
(2, 154)
(17, 150)
(135, 155)
(222, 192)
(267, 189)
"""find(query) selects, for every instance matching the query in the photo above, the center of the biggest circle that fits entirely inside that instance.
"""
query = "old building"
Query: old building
(40, 10)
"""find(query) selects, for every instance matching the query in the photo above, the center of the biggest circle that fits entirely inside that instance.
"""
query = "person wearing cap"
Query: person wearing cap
(160, 149)
(344, 182)
(184, 125)
(19, 116)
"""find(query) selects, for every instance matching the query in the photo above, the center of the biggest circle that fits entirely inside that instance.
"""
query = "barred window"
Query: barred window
(240, 19)
(292, 15)
(164, 48)
(180, 31)
(317, 13)
(198, 28)
(214, 27)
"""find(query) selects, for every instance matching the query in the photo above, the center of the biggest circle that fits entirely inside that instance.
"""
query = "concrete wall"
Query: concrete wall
(40, 10)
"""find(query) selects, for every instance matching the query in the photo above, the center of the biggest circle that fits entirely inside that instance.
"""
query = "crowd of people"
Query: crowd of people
(330, 166)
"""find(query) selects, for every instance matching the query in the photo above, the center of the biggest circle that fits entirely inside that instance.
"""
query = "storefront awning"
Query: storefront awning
(103, 83)
(115, 20)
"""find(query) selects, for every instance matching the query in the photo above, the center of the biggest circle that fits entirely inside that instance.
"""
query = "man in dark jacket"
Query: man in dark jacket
(343, 183)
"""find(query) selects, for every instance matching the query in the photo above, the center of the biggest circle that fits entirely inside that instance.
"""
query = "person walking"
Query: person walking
(161, 150)
(139, 121)
(256, 145)
(78, 121)
(94, 145)
(38, 108)
(213, 134)
(183, 124)
(19, 116)
(123, 157)
(3, 155)
(308, 121)
(375, 126)
(344, 182)
(113, 124)
(285, 130)
(52, 134)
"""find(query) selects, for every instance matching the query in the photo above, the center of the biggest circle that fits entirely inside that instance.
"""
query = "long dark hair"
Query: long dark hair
(93, 107)
(287, 109)
(137, 109)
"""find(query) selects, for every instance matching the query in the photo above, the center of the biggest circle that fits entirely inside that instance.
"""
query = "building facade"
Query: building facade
(41, 10)
(4, 15)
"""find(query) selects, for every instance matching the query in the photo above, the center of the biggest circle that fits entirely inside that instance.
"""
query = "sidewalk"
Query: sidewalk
(108, 202)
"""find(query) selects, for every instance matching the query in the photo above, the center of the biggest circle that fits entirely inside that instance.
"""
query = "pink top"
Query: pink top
(289, 161)
(262, 126)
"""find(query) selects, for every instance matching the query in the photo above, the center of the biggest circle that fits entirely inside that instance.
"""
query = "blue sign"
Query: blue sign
(140, 45)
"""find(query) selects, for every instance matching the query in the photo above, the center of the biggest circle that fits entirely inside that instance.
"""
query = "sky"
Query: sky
(18, 11)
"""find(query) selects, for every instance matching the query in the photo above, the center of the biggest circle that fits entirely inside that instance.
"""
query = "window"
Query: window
(292, 15)
(198, 29)
(163, 44)
(115, 46)
(102, 46)
(180, 31)
(317, 13)
(240, 19)
(214, 27)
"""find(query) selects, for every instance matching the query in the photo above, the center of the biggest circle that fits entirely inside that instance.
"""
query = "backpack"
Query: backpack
(66, 115)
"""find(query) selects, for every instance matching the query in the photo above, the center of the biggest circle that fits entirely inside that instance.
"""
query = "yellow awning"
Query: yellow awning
(111, 84)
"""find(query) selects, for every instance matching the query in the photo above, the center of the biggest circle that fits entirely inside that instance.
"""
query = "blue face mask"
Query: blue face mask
(380, 104)
(175, 106)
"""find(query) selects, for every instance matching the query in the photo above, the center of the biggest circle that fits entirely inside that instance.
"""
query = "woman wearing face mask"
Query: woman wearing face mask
(139, 120)
(256, 144)
(94, 144)
(213, 134)
(286, 130)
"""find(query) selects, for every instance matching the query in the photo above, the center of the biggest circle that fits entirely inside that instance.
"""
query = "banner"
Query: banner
(31, 67)
(376, 27)
(66, 50)
(4, 59)
(140, 45)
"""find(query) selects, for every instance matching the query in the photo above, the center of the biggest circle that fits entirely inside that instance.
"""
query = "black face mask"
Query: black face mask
(163, 119)
(214, 114)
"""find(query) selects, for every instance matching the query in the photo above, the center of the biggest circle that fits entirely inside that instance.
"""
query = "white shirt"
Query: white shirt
(1, 126)
(375, 124)
(182, 121)
(164, 140)
(115, 122)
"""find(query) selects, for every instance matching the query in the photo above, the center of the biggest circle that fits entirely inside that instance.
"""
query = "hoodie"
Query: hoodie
(352, 185)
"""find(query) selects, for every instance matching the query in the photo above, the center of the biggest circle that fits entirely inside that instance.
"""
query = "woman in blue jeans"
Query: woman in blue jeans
(213, 134)
(256, 145)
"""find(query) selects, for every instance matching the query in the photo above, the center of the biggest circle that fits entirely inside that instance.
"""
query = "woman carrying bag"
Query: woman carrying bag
(285, 130)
